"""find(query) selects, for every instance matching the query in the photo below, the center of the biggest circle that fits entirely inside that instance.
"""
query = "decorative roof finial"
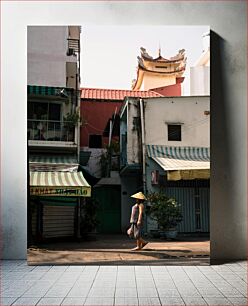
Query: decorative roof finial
(159, 50)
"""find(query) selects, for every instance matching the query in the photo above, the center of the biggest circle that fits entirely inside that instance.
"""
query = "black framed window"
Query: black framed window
(44, 111)
(174, 132)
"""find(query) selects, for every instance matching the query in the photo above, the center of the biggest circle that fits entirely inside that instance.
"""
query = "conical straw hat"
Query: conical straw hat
(138, 195)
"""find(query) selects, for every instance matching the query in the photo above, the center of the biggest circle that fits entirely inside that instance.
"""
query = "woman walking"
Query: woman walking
(136, 220)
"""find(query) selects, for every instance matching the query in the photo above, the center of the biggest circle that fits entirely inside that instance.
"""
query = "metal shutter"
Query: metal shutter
(58, 221)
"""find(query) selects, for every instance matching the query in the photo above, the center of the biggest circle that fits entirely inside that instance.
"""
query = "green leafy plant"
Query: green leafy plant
(165, 210)
(105, 160)
(72, 119)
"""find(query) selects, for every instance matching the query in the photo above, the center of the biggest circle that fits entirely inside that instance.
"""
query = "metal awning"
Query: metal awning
(59, 184)
(47, 90)
(182, 162)
(53, 163)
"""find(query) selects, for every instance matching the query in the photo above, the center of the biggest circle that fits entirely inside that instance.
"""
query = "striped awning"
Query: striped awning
(182, 162)
(59, 184)
(53, 163)
(46, 90)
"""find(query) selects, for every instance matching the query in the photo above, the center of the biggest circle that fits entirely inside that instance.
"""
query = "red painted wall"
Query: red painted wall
(96, 114)
(169, 91)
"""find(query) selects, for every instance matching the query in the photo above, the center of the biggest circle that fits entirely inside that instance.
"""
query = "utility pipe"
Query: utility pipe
(143, 147)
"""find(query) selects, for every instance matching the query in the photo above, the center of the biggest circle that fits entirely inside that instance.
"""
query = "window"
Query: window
(174, 132)
(95, 141)
(44, 111)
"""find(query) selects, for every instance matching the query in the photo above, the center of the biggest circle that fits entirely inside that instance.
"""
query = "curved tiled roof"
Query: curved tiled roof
(116, 94)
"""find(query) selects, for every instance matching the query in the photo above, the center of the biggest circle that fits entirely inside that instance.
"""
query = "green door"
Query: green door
(109, 209)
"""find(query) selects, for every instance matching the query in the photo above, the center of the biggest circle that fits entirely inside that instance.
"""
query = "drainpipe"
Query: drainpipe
(110, 131)
(77, 107)
(143, 148)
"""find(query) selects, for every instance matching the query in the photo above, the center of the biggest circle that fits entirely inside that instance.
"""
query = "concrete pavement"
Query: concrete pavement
(116, 250)
(123, 285)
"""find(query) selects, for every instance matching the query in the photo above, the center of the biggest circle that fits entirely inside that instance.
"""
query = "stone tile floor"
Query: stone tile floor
(123, 285)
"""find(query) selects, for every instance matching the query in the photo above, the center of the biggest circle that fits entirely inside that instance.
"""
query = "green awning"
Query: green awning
(184, 163)
(53, 163)
(179, 153)
(47, 90)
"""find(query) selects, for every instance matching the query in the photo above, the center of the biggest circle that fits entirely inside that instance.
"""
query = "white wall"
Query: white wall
(189, 111)
(47, 47)
(228, 106)
(132, 135)
(200, 81)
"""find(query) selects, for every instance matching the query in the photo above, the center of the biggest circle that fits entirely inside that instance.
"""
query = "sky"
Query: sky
(109, 53)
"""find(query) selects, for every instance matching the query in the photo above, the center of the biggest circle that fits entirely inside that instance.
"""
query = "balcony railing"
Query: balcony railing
(47, 130)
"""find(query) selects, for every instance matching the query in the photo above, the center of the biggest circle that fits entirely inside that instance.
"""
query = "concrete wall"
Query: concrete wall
(228, 105)
(195, 128)
(200, 81)
(93, 165)
(46, 61)
(133, 139)
(96, 116)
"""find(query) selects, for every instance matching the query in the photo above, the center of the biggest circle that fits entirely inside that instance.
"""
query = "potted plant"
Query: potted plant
(166, 211)
(72, 119)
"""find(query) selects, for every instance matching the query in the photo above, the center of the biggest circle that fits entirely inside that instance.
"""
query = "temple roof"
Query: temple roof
(159, 66)
(115, 94)
(178, 58)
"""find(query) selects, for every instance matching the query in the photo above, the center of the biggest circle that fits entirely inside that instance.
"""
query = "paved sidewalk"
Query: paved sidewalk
(123, 285)
(116, 250)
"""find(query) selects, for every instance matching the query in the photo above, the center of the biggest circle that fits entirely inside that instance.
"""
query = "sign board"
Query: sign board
(64, 192)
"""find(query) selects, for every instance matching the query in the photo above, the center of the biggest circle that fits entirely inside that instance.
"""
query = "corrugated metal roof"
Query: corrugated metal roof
(115, 94)
(53, 163)
(179, 164)
(53, 159)
(182, 153)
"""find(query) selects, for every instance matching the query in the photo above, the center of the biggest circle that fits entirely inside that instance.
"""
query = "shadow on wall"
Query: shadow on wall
(221, 167)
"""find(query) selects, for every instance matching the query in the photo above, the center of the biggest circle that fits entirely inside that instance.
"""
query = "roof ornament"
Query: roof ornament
(144, 53)
(159, 50)
(182, 51)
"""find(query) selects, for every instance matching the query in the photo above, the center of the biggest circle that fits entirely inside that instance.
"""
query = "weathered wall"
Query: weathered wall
(93, 165)
(189, 111)
(46, 50)
(199, 81)
(170, 91)
(96, 115)
(228, 105)
(133, 155)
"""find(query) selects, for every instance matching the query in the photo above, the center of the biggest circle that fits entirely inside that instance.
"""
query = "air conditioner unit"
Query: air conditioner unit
(155, 177)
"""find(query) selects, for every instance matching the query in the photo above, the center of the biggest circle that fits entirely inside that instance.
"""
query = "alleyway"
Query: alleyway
(116, 250)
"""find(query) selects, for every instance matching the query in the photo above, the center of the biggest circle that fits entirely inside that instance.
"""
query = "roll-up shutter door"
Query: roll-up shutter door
(59, 218)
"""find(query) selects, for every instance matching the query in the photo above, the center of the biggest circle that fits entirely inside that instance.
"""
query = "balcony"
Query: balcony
(51, 131)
